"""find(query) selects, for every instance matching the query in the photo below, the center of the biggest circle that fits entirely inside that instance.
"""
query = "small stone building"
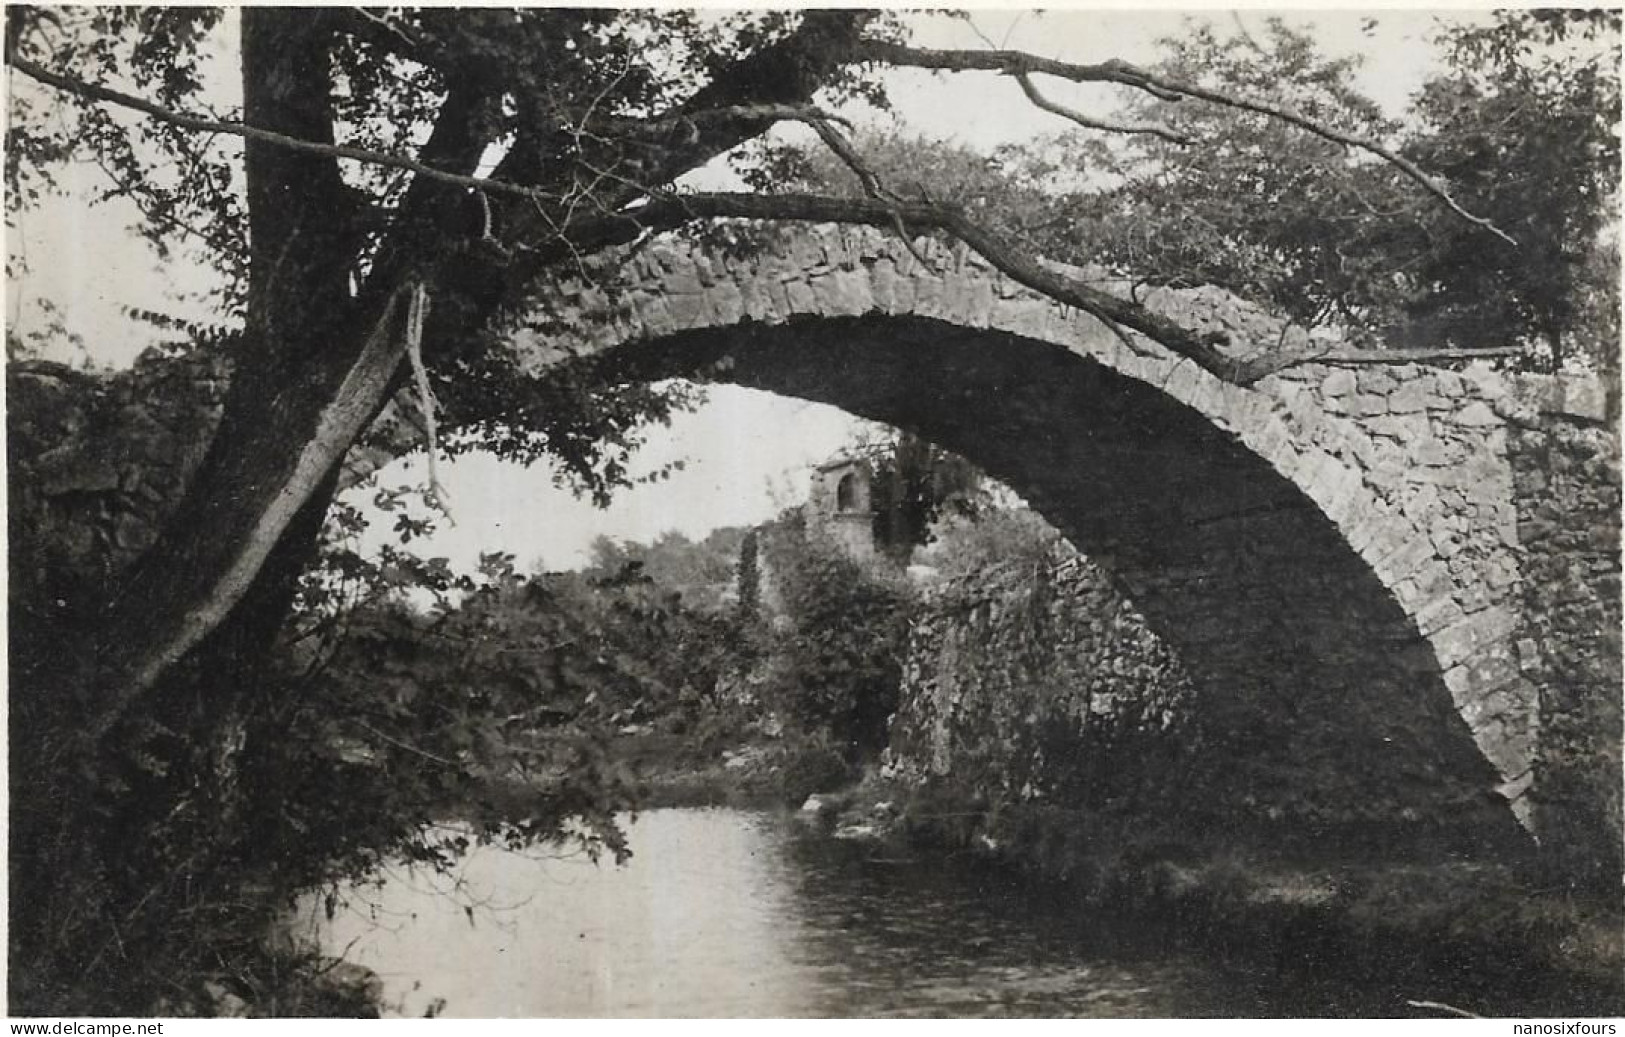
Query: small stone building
(839, 505)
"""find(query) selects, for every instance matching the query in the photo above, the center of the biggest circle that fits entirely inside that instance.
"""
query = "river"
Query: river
(728, 913)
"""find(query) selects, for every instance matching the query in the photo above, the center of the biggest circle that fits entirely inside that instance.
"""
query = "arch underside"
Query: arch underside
(1310, 676)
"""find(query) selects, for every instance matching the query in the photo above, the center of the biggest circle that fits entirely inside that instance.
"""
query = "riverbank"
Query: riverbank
(761, 773)
(1452, 934)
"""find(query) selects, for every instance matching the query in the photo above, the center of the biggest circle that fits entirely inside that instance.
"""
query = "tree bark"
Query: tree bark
(306, 380)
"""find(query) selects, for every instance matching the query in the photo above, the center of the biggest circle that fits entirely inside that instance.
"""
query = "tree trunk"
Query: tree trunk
(308, 378)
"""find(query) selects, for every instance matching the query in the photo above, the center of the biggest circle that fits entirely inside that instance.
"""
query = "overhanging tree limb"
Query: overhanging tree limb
(366, 156)
(880, 208)
(199, 124)
(1020, 64)
(670, 210)
(1090, 122)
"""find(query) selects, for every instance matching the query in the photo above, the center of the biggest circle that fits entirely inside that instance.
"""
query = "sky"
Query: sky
(747, 454)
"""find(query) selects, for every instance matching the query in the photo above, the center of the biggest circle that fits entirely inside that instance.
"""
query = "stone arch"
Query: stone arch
(1330, 549)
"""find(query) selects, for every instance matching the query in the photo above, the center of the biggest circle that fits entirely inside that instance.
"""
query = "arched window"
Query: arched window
(846, 492)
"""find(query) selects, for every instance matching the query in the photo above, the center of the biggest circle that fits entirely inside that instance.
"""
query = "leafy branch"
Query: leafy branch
(1021, 64)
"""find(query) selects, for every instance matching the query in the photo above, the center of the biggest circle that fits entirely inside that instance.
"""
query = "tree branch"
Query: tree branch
(199, 124)
(1019, 63)
(1090, 123)
(669, 210)
(1009, 62)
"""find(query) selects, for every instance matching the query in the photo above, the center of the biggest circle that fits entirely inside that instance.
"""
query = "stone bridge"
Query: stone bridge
(1402, 579)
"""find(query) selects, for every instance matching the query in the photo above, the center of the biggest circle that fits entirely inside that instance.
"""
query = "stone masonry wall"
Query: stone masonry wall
(1038, 682)
(1567, 472)
(95, 463)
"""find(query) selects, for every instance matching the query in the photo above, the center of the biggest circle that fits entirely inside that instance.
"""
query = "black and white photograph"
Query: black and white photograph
(590, 513)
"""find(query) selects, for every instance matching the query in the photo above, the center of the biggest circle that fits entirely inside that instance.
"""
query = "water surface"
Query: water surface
(736, 913)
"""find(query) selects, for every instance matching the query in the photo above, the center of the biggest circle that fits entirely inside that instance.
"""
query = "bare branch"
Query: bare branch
(1016, 63)
(387, 24)
(806, 113)
(198, 124)
(1091, 123)
(847, 153)
(1010, 62)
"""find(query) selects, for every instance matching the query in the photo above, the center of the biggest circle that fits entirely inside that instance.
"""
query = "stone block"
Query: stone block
(1405, 557)
(1508, 752)
(754, 301)
(688, 311)
(801, 296)
(1449, 384)
(1376, 381)
(1184, 380)
(1432, 452)
(727, 303)
(928, 301)
(883, 284)
(1484, 382)
(1024, 315)
(1476, 415)
(1410, 398)
(1402, 429)
(1335, 486)
(1461, 639)
(1437, 615)
(1585, 398)
(844, 293)
(1340, 382)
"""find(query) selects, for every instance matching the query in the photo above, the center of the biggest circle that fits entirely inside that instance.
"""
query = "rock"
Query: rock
(1339, 383)
(1409, 398)
(222, 1003)
(858, 833)
(1477, 414)
(352, 983)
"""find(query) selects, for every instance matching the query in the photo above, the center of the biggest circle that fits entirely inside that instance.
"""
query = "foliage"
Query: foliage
(1521, 132)
(837, 654)
(1001, 538)
(1528, 127)
(915, 482)
(750, 576)
(383, 733)
(701, 572)
(152, 865)
(1520, 126)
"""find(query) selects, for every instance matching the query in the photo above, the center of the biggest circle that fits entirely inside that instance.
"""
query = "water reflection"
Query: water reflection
(729, 913)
